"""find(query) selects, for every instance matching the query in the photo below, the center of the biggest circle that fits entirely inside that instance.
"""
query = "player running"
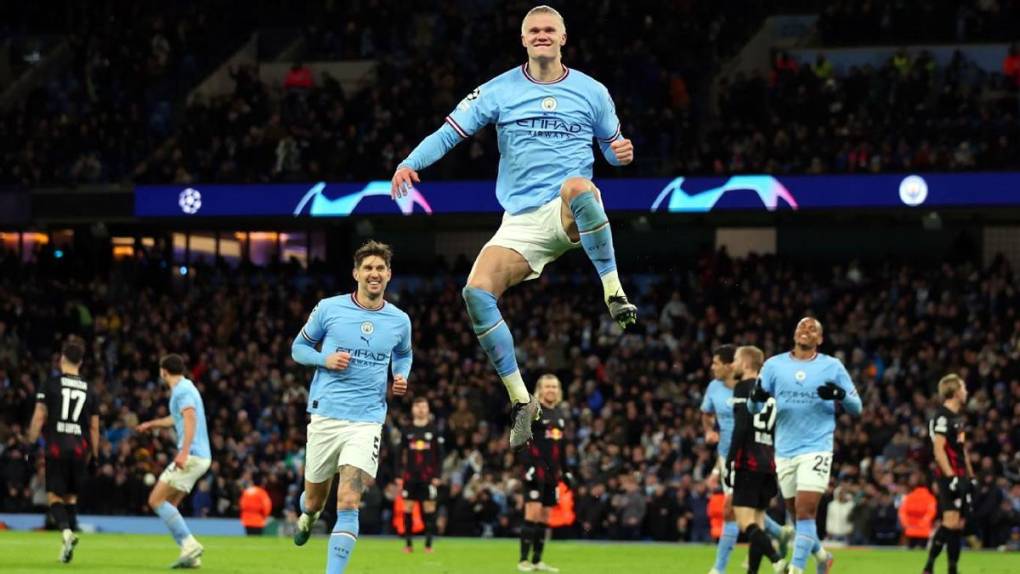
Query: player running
(544, 466)
(63, 405)
(187, 416)
(806, 385)
(953, 470)
(361, 337)
(546, 117)
(419, 471)
(750, 469)
(717, 408)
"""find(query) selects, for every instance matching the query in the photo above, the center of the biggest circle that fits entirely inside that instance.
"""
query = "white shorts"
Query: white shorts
(184, 479)
(727, 488)
(537, 235)
(807, 472)
(333, 443)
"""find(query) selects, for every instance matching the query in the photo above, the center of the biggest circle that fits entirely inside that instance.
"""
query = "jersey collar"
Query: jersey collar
(794, 357)
(354, 299)
(524, 68)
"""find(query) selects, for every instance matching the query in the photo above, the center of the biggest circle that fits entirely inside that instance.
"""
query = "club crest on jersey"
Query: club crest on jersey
(549, 104)
(800, 376)
(367, 328)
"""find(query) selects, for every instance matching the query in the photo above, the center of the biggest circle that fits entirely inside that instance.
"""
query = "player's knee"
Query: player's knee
(574, 187)
(155, 501)
(477, 297)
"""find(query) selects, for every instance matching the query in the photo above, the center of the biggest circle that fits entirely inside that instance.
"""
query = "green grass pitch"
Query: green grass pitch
(22, 552)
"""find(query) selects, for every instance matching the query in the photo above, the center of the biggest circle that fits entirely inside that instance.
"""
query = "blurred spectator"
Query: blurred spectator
(255, 507)
(299, 77)
(917, 514)
(838, 525)
(1011, 66)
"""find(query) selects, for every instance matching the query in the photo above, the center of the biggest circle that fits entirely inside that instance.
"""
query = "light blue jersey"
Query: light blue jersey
(544, 131)
(185, 396)
(804, 421)
(373, 337)
(719, 401)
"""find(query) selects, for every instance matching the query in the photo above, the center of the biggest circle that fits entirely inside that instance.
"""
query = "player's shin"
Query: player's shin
(408, 527)
(72, 516)
(538, 542)
(938, 541)
(497, 341)
(954, 541)
(527, 535)
(342, 541)
(59, 513)
(727, 541)
(174, 522)
(430, 528)
(807, 537)
(597, 239)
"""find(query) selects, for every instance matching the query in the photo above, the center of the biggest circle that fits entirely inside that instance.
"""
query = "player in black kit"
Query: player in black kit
(952, 469)
(544, 467)
(750, 464)
(419, 474)
(65, 406)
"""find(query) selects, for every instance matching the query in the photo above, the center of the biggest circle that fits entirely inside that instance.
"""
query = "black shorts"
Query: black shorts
(950, 502)
(65, 474)
(420, 491)
(754, 489)
(541, 491)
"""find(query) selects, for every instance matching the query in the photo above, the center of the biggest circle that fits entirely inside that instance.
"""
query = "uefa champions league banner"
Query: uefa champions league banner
(676, 195)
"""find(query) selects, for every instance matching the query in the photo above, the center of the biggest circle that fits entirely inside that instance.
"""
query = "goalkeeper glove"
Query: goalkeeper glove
(830, 391)
(759, 395)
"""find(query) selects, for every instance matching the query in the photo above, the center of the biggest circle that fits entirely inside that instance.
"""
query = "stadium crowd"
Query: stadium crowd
(902, 22)
(908, 114)
(631, 401)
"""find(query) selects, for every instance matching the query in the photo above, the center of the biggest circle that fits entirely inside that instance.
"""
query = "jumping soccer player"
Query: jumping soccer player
(546, 117)
(750, 468)
(717, 407)
(63, 405)
(953, 470)
(806, 385)
(361, 337)
(187, 416)
(544, 466)
(419, 471)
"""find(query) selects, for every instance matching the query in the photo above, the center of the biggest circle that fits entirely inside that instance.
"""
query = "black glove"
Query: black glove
(759, 395)
(830, 391)
(568, 479)
(93, 465)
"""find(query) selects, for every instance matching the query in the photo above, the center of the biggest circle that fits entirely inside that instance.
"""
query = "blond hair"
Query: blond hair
(544, 9)
(756, 358)
(553, 378)
(949, 385)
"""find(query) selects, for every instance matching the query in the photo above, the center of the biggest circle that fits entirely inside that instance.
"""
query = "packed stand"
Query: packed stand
(908, 114)
(632, 401)
(901, 22)
(653, 65)
(131, 63)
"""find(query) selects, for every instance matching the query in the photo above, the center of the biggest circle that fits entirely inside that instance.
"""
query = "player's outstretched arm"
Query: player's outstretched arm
(160, 423)
(429, 151)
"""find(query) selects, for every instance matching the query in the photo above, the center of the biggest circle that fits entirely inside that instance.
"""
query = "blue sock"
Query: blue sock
(807, 537)
(772, 528)
(342, 541)
(174, 521)
(817, 546)
(727, 541)
(491, 329)
(596, 235)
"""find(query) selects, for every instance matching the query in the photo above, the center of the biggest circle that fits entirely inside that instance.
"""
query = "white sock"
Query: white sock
(189, 541)
(515, 387)
(822, 554)
(68, 534)
(611, 284)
